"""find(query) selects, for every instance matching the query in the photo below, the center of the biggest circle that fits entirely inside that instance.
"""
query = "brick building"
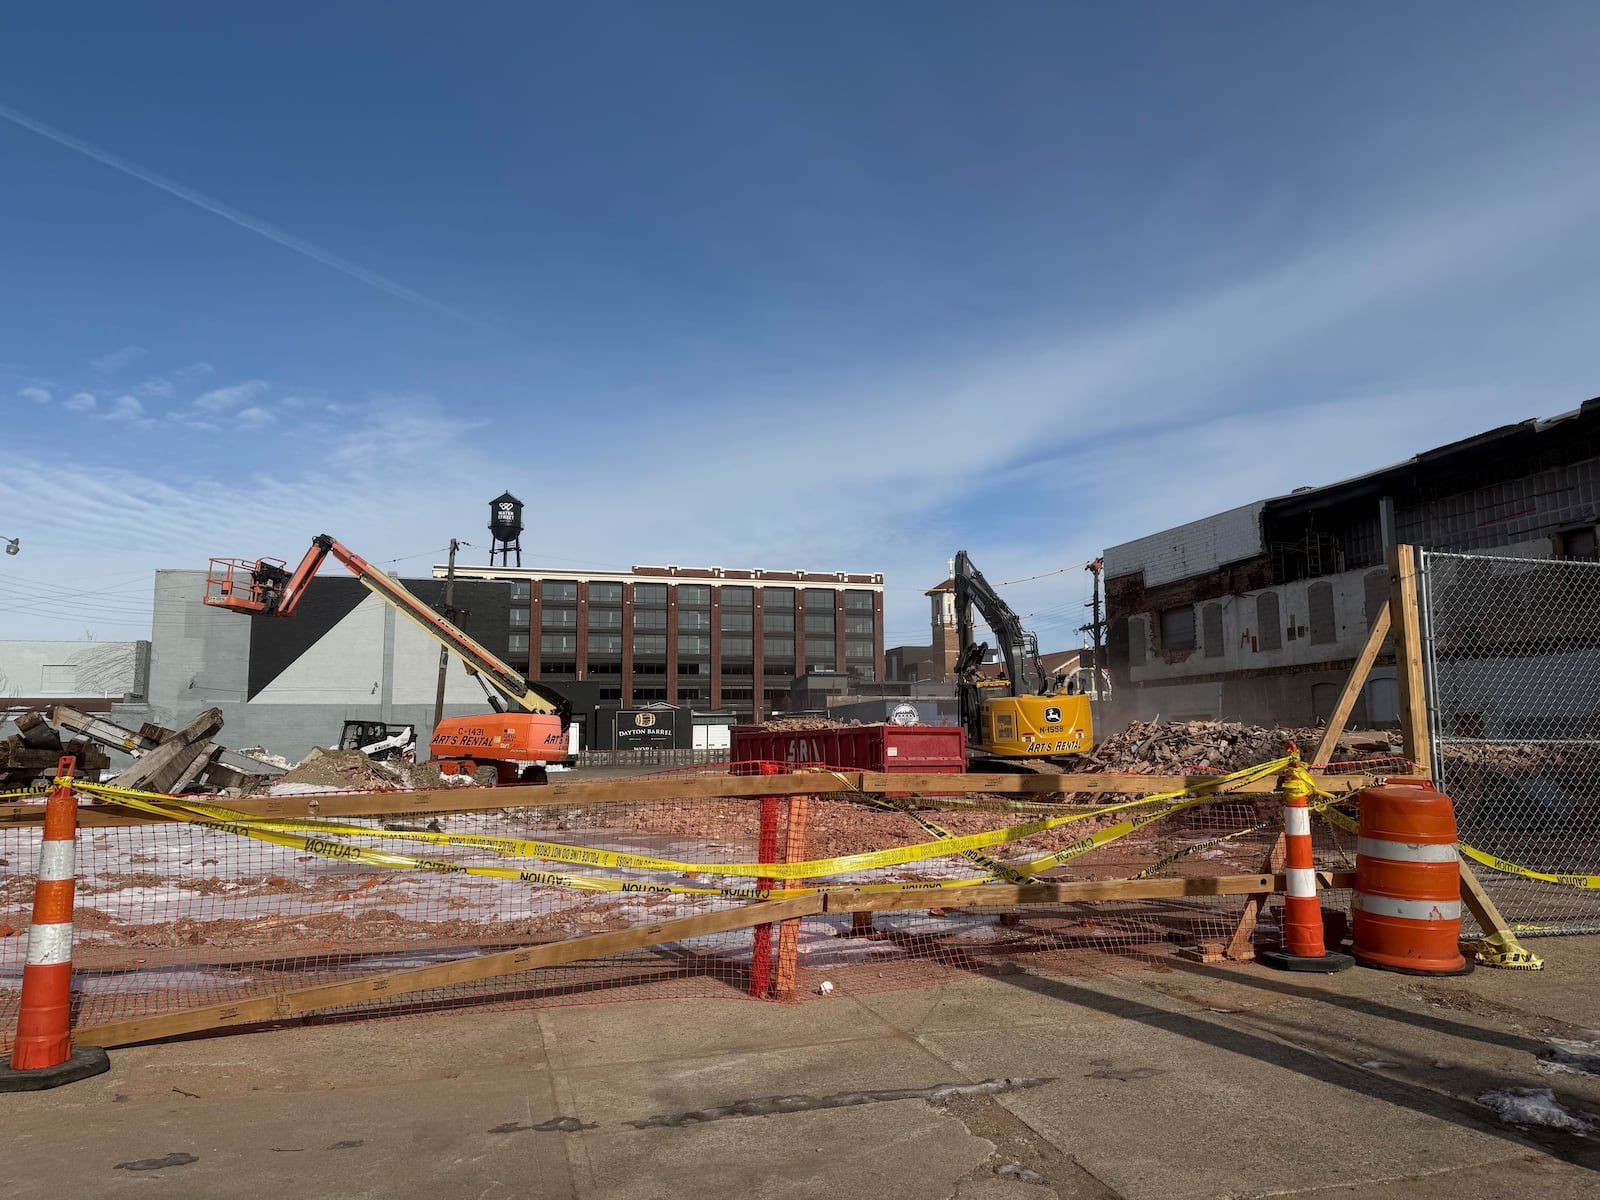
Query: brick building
(708, 638)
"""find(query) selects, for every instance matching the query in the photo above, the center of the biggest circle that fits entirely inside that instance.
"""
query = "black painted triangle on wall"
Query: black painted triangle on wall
(277, 642)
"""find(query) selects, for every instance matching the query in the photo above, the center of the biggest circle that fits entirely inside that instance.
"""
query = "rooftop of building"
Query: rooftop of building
(676, 574)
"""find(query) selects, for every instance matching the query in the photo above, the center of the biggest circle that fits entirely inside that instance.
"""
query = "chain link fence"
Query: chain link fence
(1513, 660)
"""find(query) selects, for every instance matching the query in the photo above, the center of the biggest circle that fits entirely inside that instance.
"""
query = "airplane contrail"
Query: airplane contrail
(242, 219)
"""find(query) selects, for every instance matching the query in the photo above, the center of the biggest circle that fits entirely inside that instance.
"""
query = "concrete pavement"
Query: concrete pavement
(1178, 1081)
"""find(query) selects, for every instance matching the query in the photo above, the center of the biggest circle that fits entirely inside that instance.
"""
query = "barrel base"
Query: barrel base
(1321, 964)
(86, 1061)
(1395, 968)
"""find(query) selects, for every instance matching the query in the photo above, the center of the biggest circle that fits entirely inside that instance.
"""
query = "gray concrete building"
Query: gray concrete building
(1257, 614)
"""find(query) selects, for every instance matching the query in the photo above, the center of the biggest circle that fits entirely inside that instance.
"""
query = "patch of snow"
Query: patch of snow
(1533, 1106)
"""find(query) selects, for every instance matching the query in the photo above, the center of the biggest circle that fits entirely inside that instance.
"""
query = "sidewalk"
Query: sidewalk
(1184, 1082)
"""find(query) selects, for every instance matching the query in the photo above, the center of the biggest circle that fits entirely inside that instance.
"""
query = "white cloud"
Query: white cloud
(155, 389)
(125, 408)
(192, 372)
(109, 363)
(38, 395)
(253, 417)
(80, 402)
(224, 398)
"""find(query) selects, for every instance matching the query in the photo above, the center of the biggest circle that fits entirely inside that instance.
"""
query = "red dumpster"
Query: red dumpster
(927, 749)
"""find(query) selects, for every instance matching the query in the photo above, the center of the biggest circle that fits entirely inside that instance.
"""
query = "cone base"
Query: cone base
(86, 1061)
(1322, 964)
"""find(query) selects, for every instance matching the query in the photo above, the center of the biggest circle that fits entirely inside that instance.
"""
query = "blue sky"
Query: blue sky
(833, 286)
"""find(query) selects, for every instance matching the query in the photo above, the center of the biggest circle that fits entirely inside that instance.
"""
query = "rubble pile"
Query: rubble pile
(340, 771)
(799, 724)
(30, 756)
(1173, 747)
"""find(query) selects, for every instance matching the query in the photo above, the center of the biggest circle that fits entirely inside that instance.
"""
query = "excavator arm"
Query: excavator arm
(1018, 647)
(266, 587)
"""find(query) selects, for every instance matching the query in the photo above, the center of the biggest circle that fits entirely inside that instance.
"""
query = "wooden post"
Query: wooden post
(1406, 615)
(795, 849)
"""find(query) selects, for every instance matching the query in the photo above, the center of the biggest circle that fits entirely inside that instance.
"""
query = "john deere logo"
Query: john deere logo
(644, 720)
(1052, 716)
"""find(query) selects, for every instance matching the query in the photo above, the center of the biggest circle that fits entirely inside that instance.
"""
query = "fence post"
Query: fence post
(1405, 617)
(794, 850)
(766, 851)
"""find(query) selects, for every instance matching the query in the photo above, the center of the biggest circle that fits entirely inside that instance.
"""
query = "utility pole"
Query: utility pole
(444, 655)
(1097, 626)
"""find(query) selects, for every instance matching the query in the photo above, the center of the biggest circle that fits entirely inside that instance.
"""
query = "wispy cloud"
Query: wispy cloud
(193, 373)
(155, 389)
(38, 395)
(223, 399)
(124, 408)
(80, 402)
(253, 417)
(238, 217)
(109, 364)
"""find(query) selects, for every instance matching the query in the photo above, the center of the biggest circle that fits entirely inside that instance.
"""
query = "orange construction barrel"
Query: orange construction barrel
(1406, 915)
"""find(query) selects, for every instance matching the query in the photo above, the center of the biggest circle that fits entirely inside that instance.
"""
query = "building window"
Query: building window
(1324, 626)
(1375, 589)
(693, 668)
(737, 622)
(818, 648)
(853, 649)
(777, 622)
(610, 693)
(643, 695)
(557, 643)
(777, 597)
(650, 643)
(819, 598)
(1138, 642)
(693, 695)
(605, 593)
(550, 669)
(649, 595)
(690, 619)
(649, 668)
(738, 597)
(694, 595)
(858, 602)
(738, 647)
(730, 695)
(614, 667)
(819, 622)
(1177, 630)
(859, 625)
(1211, 622)
(649, 618)
(694, 643)
(774, 669)
(1269, 621)
(557, 591)
(778, 646)
(605, 643)
(605, 618)
(522, 590)
(519, 618)
(559, 618)
(518, 643)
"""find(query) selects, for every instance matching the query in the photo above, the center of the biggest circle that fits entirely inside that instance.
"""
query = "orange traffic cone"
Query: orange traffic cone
(42, 1055)
(1303, 948)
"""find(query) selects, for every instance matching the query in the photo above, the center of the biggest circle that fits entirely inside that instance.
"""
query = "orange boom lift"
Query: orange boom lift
(498, 747)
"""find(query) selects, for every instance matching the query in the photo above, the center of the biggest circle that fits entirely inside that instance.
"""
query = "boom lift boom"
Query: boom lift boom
(502, 742)
(1025, 715)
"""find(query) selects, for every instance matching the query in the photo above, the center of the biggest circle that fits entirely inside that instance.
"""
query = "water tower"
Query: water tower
(505, 527)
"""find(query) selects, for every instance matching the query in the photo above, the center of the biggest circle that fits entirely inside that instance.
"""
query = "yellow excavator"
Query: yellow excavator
(1026, 715)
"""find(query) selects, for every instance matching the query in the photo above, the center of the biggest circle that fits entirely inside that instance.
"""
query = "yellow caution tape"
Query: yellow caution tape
(1494, 863)
(170, 807)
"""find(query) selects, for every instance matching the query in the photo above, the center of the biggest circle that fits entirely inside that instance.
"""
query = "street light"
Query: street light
(13, 546)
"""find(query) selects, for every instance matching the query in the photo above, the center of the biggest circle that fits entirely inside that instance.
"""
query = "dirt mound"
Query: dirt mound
(1172, 747)
(338, 770)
